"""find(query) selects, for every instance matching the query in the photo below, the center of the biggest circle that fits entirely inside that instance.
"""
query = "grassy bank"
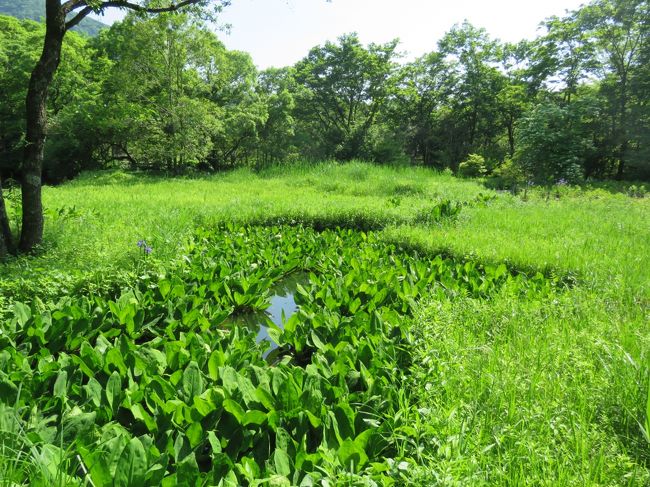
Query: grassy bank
(506, 389)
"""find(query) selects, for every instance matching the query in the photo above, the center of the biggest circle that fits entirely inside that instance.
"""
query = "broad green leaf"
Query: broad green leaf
(140, 414)
(113, 390)
(61, 385)
(253, 417)
(235, 409)
(192, 380)
(195, 434)
(22, 313)
(351, 455)
(216, 360)
(132, 465)
(282, 462)
(187, 471)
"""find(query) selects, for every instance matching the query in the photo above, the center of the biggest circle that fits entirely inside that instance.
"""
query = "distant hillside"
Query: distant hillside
(35, 10)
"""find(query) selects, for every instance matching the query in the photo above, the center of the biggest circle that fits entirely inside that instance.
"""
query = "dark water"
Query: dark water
(283, 306)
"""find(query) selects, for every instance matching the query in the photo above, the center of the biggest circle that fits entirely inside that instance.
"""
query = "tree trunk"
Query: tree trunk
(36, 125)
(624, 142)
(6, 238)
(621, 159)
(511, 137)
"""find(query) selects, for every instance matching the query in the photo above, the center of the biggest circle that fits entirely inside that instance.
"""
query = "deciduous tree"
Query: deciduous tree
(61, 16)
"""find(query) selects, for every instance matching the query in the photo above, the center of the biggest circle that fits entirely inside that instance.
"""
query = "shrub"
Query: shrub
(508, 175)
(473, 166)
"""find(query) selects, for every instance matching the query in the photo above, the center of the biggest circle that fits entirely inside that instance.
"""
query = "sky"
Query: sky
(281, 32)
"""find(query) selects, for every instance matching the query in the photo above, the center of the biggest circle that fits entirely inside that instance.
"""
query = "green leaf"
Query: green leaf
(140, 414)
(265, 398)
(94, 392)
(22, 313)
(192, 380)
(217, 359)
(113, 390)
(195, 434)
(235, 409)
(187, 471)
(61, 385)
(254, 417)
(316, 340)
(132, 465)
(351, 455)
(282, 462)
(204, 405)
(354, 305)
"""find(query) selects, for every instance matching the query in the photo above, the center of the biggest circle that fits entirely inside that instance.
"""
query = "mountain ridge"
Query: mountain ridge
(35, 10)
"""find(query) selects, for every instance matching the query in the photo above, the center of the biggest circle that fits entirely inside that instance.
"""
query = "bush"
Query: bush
(508, 175)
(473, 166)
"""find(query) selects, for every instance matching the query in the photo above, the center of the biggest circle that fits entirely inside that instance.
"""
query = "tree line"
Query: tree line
(162, 92)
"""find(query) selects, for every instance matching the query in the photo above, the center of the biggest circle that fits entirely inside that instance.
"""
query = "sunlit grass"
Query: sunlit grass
(510, 391)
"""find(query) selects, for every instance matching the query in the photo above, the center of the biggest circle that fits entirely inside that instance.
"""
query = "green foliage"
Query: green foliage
(74, 87)
(165, 373)
(508, 175)
(509, 362)
(343, 87)
(473, 166)
(553, 144)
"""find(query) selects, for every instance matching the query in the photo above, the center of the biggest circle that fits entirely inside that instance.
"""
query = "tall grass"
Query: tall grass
(511, 391)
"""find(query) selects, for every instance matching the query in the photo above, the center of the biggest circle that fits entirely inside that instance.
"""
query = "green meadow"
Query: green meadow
(447, 333)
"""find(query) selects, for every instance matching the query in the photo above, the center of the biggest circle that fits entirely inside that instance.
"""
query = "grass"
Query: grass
(548, 391)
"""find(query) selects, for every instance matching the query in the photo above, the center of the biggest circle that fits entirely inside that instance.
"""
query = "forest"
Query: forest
(163, 93)
(360, 270)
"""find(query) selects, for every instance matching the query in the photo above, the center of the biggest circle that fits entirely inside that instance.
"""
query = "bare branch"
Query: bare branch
(139, 8)
(70, 5)
(78, 18)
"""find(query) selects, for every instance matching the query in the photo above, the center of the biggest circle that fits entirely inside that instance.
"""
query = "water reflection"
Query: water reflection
(283, 306)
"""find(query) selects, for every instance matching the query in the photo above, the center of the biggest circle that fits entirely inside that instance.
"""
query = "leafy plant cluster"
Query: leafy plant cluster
(158, 385)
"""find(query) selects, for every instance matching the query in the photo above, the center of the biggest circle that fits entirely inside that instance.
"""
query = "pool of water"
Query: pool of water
(283, 306)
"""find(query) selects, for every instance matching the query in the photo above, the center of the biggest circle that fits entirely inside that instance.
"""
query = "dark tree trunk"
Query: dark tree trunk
(624, 143)
(6, 238)
(511, 135)
(621, 159)
(36, 125)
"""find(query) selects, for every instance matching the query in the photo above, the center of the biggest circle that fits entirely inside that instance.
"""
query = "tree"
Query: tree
(553, 142)
(277, 89)
(344, 86)
(60, 16)
(473, 123)
(241, 109)
(156, 112)
(566, 54)
(617, 28)
(425, 88)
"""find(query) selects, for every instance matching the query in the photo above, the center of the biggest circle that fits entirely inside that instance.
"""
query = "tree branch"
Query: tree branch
(70, 5)
(140, 8)
(78, 18)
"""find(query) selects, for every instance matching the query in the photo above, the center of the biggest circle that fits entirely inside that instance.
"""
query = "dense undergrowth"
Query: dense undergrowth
(155, 387)
(466, 337)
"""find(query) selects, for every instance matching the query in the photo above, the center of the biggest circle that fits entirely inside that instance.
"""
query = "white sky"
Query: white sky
(281, 32)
